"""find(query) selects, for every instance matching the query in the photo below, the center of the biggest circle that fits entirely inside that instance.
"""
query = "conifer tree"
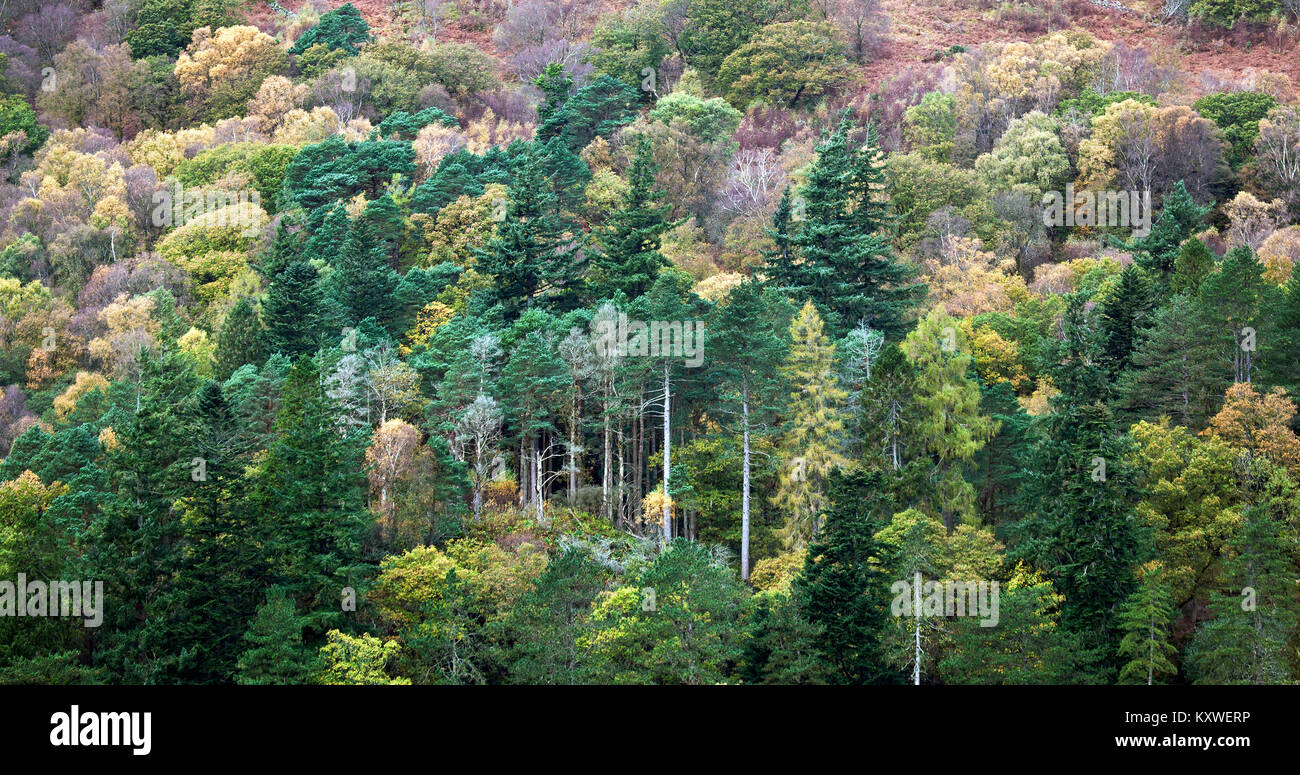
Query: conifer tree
(275, 653)
(887, 410)
(948, 424)
(1279, 338)
(1180, 217)
(292, 312)
(629, 258)
(1078, 489)
(843, 261)
(811, 447)
(309, 500)
(1125, 314)
(1169, 374)
(842, 592)
(213, 593)
(286, 248)
(136, 542)
(533, 257)
(1145, 619)
(389, 227)
(1194, 262)
(241, 339)
(1230, 301)
(363, 281)
(748, 355)
(328, 227)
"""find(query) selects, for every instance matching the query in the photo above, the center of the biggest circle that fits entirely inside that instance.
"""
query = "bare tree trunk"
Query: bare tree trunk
(537, 481)
(668, 462)
(916, 616)
(744, 492)
(605, 505)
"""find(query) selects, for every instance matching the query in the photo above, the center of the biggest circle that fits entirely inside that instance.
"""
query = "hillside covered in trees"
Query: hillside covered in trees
(650, 341)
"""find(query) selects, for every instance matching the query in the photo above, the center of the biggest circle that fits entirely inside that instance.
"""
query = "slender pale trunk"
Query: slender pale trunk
(744, 492)
(622, 476)
(916, 616)
(605, 504)
(573, 445)
(668, 511)
(537, 482)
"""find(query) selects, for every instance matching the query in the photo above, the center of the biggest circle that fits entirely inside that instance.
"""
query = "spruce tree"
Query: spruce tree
(328, 228)
(629, 258)
(1078, 489)
(1194, 263)
(136, 543)
(1180, 217)
(1027, 647)
(533, 257)
(241, 339)
(1169, 374)
(309, 501)
(843, 261)
(1145, 619)
(214, 591)
(1279, 350)
(389, 227)
(748, 354)
(274, 651)
(286, 248)
(1230, 301)
(842, 592)
(363, 282)
(292, 312)
(1124, 315)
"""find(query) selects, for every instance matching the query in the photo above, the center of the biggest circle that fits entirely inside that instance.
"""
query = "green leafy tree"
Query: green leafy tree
(357, 660)
(1238, 115)
(1028, 645)
(1247, 641)
(789, 63)
(949, 426)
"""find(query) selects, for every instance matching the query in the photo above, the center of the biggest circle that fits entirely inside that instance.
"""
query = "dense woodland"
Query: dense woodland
(299, 354)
